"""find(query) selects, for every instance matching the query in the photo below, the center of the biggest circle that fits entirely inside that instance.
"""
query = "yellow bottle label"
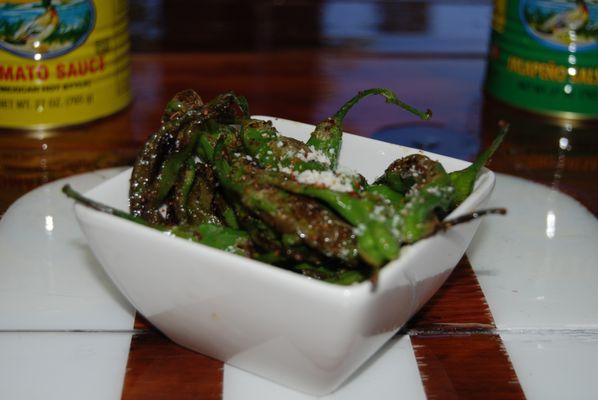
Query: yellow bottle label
(62, 62)
(499, 16)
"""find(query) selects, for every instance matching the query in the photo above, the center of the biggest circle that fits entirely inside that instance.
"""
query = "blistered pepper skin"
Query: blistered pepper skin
(305, 220)
(213, 175)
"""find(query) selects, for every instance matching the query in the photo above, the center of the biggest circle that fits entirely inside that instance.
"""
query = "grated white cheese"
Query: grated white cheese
(318, 156)
(328, 179)
(309, 155)
(347, 171)
(414, 171)
(378, 213)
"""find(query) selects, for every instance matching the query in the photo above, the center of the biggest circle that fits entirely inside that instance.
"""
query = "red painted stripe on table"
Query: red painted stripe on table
(458, 304)
(465, 367)
(159, 369)
(458, 354)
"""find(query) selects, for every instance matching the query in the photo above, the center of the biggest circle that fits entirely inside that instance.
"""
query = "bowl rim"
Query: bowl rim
(484, 184)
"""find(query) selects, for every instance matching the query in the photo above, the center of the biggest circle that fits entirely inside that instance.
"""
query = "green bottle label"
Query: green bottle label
(544, 56)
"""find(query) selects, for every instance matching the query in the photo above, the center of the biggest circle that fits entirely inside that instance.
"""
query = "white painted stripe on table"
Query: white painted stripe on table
(555, 366)
(49, 279)
(391, 372)
(63, 366)
(536, 264)
(538, 270)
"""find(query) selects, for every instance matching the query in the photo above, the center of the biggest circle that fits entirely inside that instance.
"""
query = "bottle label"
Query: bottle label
(62, 62)
(544, 56)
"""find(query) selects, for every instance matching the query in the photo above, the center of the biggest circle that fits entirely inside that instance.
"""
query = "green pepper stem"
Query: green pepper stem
(485, 156)
(449, 223)
(464, 180)
(390, 98)
(73, 194)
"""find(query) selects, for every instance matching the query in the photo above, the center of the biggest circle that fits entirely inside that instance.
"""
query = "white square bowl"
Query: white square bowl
(299, 332)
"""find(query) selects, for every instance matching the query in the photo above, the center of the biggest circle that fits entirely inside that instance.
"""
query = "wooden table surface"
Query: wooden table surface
(305, 76)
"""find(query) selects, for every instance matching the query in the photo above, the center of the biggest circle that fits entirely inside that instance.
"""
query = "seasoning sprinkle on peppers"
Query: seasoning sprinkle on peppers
(214, 175)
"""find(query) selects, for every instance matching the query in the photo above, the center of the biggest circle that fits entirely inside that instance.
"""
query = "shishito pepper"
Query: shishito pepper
(211, 169)
(327, 137)
(220, 237)
(198, 205)
(298, 220)
(273, 151)
(432, 191)
(165, 152)
(337, 276)
(321, 151)
(371, 216)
